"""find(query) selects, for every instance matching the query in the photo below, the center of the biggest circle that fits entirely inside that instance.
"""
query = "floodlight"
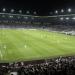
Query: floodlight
(27, 12)
(12, 10)
(62, 10)
(67, 18)
(73, 18)
(56, 12)
(4, 9)
(35, 12)
(20, 11)
(11, 16)
(69, 10)
(61, 18)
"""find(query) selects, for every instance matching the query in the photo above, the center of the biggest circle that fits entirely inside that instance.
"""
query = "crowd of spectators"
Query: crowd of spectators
(54, 66)
(53, 27)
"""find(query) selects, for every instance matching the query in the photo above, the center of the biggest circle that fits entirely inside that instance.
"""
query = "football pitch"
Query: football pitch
(33, 44)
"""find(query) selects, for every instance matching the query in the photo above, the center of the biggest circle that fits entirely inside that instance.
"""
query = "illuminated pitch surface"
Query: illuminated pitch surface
(25, 44)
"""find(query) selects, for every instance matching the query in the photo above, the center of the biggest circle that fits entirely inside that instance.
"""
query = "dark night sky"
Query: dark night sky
(41, 6)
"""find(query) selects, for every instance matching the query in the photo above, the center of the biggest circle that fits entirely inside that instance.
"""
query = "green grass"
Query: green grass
(24, 44)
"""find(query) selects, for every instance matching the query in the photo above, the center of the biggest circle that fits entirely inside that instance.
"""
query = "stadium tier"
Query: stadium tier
(58, 22)
(55, 66)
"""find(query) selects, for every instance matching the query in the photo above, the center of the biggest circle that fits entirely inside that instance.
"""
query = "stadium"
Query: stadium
(31, 44)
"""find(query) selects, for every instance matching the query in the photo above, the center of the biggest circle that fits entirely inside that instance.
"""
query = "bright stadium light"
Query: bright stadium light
(4, 9)
(11, 16)
(73, 18)
(35, 12)
(62, 10)
(67, 18)
(61, 18)
(69, 10)
(56, 12)
(27, 12)
(12, 10)
(20, 11)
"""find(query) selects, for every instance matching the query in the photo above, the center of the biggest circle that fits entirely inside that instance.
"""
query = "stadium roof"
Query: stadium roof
(43, 7)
